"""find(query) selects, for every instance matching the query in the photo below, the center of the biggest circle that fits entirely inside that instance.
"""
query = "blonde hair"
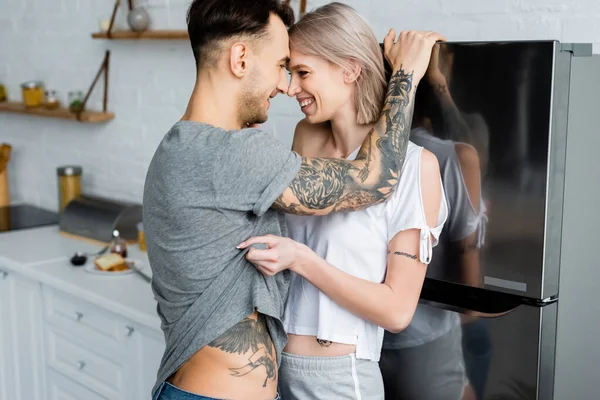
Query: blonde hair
(338, 34)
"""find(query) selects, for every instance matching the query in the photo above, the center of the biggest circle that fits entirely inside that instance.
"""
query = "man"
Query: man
(211, 184)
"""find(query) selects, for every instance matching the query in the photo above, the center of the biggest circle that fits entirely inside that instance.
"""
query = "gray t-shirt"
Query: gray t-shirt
(206, 191)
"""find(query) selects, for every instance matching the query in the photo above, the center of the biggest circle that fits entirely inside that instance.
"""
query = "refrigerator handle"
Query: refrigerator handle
(474, 301)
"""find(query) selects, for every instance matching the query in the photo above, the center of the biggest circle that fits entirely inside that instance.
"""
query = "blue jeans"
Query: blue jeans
(166, 391)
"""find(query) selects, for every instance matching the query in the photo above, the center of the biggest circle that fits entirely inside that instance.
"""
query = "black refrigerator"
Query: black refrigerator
(523, 119)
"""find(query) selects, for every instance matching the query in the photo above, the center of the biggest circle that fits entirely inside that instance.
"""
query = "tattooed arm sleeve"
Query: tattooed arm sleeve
(326, 185)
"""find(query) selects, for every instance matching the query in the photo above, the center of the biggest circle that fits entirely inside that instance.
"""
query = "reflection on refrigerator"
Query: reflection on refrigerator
(495, 114)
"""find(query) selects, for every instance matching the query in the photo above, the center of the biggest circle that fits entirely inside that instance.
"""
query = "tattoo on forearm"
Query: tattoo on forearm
(401, 253)
(353, 200)
(323, 183)
(324, 343)
(398, 115)
(320, 182)
(246, 336)
(295, 209)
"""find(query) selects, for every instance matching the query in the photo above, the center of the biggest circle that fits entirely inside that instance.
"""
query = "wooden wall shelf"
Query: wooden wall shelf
(86, 116)
(151, 35)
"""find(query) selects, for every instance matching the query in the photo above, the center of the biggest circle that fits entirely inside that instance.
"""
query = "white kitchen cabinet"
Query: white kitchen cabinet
(66, 334)
(151, 347)
(6, 334)
(55, 346)
(90, 345)
(98, 351)
(22, 370)
(62, 388)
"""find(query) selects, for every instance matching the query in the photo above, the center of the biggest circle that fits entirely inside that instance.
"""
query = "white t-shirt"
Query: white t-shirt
(357, 243)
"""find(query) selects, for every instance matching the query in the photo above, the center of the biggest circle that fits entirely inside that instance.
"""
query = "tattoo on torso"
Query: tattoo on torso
(250, 335)
(324, 343)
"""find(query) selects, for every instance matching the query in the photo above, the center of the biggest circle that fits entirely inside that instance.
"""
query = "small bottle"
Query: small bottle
(76, 101)
(51, 100)
(118, 244)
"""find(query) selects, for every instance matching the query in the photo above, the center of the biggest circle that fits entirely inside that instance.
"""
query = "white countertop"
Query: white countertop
(32, 246)
(43, 254)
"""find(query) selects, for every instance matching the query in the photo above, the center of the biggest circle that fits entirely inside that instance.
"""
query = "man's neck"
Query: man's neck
(213, 102)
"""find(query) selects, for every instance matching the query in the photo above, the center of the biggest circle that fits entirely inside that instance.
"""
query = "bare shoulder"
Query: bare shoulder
(430, 168)
(309, 138)
(431, 187)
(467, 156)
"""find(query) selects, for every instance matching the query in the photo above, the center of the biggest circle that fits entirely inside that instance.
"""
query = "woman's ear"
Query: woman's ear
(351, 74)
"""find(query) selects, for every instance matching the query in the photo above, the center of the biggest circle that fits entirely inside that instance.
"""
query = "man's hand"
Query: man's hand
(282, 253)
(411, 52)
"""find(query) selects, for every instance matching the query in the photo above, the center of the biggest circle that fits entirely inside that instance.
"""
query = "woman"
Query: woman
(336, 331)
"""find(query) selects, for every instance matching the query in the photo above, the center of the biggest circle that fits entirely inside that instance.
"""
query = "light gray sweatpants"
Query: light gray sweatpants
(328, 378)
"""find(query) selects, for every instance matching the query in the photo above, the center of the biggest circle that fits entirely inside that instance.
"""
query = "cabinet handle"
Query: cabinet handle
(78, 316)
(130, 330)
(80, 365)
(3, 274)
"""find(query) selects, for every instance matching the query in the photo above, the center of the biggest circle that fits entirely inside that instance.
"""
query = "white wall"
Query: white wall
(150, 81)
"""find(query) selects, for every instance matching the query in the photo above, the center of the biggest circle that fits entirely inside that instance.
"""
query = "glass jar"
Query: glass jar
(2, 93)
(75, 101)
(51, 102)
(33, 93)
(69, 184)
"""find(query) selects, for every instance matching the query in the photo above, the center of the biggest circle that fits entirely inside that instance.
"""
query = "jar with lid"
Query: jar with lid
(51, 101)
(118, 244)
(69, 184)
(75, 101)
(33, 93)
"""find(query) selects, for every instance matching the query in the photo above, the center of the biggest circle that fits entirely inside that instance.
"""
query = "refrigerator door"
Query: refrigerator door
(500, 108)
(510, 357)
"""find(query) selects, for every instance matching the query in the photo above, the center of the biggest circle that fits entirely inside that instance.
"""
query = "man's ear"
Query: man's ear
(238, 59)
(352, 74)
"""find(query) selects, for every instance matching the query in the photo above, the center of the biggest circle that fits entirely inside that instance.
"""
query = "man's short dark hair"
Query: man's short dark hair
(212, 21)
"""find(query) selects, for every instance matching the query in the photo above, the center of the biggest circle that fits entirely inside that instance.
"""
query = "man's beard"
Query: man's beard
(252, 102)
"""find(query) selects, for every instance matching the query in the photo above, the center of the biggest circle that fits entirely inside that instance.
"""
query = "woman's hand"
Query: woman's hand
(411, 52)
(434, 73)
(282, 253)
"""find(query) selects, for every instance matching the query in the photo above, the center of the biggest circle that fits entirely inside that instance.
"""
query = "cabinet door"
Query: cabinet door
(151, 349)
(22, 331)
(29, 339)
(6, 334)
(62, 388)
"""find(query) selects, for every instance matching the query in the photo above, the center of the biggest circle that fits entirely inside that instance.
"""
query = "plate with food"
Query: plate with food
(113, 264)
